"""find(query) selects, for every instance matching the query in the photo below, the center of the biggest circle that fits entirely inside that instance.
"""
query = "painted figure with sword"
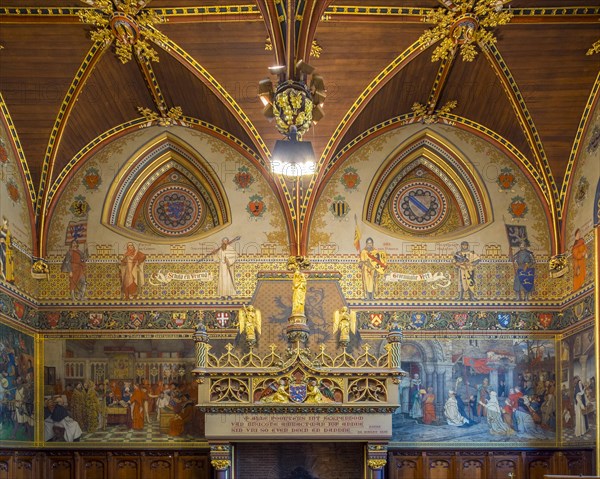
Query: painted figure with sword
(226, 255)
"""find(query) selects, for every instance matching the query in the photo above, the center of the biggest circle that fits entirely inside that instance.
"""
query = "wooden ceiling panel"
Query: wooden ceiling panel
(412, 84)
(555, 77)
(109, 98)
(37, 65)
(180, 87)
(481, 98)
(352, 57)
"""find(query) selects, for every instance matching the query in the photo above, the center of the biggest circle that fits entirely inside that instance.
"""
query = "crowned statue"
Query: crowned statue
(344, 321)
(250, 324)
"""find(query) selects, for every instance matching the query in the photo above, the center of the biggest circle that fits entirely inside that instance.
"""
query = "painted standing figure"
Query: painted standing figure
(372, 263)
(524, 272)
(226, 255)
(74, 264)
(132, 272)
(7, 266)
(579, 252)
(465, 261)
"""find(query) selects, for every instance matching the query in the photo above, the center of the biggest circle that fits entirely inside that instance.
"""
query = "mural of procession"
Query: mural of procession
(477, 391)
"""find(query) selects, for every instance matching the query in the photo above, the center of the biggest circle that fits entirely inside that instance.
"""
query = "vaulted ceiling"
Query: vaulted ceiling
(65, 86)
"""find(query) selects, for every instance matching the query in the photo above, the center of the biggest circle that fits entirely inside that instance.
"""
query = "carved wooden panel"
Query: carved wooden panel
(3, 469)
(24, 468)
(538, 468)
(59, 468)
(193, 467)
(158, 468)
(439, 469)
(126, 469)
(403, 468)
(503, 468)
(471, 469)
(93, 468)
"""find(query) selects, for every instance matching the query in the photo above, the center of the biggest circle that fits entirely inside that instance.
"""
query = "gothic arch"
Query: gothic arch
(427, 189)
(166, 192)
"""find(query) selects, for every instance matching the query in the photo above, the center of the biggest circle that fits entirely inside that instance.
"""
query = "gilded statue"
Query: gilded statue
(250, 323)
(344, 321)
(299, 292)
(276, 393)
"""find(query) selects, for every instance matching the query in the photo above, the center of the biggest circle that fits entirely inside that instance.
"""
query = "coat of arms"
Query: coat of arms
(545, 319)
(179, 318)
(222, 319)
(518, 208)
(461, 319)
(256, 206)
(350, 178)
(504, 320)
(136, 319)
(95, 319)
(298, 392)
(339, 207)
(243, 178)
(506, 179)
(418, 319)
(53, 319)
(376, 319)
(91, 179)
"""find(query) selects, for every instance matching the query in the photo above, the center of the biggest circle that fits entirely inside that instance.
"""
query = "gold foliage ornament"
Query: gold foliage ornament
(293, 106)
(462, 25)
(127, 24)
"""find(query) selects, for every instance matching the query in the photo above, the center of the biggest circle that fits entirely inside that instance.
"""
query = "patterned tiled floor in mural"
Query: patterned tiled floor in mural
(119, 434)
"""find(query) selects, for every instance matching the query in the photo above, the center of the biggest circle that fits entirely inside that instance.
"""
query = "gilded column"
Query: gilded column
(220, 460)
(376, 460)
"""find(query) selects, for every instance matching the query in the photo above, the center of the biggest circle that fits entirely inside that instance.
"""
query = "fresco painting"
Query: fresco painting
(477, 391)
(17, 418)
(578, 387)
(113, 391)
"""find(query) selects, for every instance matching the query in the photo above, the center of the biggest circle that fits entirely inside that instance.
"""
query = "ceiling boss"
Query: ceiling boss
(462, 24)
(125, 23)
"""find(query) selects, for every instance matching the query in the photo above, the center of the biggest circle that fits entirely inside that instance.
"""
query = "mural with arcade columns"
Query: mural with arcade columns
(477, 391)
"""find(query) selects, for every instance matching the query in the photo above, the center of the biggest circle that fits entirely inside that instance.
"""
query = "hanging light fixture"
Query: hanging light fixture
(295, 103)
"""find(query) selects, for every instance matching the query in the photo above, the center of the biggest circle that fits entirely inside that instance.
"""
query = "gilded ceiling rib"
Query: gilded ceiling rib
(200, 72)
(527, 124)
(373, 87)
(19, 149)
(273, 16)
(584, 123)
(440, 82)
(83, 73)
(152, 84)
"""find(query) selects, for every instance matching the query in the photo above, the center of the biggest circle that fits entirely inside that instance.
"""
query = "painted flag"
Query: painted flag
(76, 230)
(356, 235)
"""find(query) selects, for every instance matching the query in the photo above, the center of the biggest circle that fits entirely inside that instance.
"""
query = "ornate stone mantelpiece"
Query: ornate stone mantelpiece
(297, 393)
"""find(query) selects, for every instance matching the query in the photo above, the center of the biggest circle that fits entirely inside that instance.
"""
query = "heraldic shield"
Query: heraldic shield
(526, 278)
(298, 392)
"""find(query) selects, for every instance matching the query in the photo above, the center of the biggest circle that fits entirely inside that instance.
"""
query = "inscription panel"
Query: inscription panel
(298, 426)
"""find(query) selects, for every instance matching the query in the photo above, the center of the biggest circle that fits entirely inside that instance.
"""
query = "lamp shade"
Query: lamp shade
(293, 158)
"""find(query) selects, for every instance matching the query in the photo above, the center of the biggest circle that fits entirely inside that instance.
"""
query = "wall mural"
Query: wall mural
(477, 391)
(17, 414)
(113, 391)
(578, 387)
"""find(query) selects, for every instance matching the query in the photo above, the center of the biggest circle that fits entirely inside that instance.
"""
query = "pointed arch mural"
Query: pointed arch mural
(427, 189)
(166, 191)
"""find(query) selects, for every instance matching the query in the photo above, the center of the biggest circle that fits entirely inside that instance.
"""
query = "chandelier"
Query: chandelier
(295, 103)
